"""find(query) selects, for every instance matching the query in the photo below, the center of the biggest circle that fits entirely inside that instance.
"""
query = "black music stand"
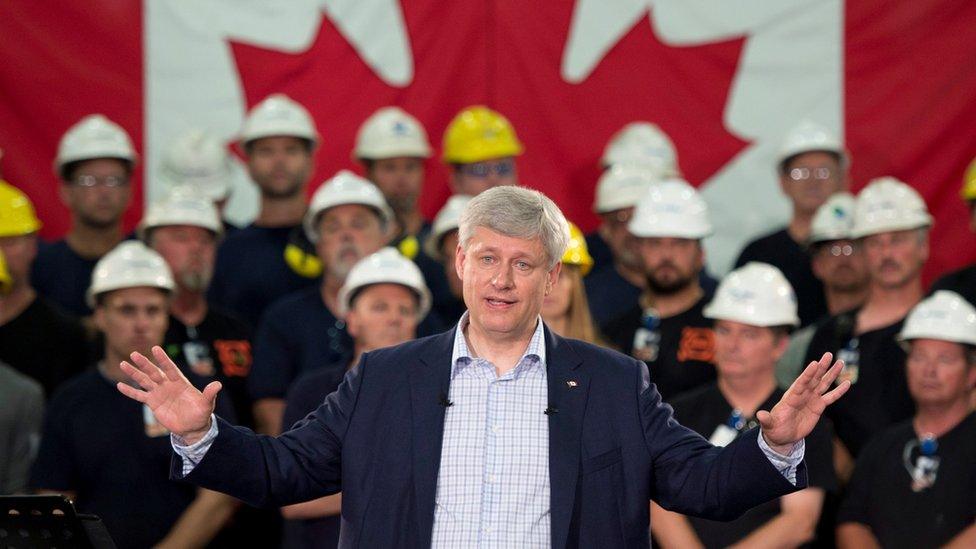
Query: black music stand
(49, 522)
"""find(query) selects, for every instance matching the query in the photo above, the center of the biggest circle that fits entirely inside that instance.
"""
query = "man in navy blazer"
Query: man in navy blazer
(498, 433)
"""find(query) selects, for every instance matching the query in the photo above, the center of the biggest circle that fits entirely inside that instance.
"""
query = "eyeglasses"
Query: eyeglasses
(484, 169)
(104, 181)
(838, 250)
(806, 174)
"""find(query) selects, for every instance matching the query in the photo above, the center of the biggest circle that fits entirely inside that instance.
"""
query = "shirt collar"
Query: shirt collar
(461, 355)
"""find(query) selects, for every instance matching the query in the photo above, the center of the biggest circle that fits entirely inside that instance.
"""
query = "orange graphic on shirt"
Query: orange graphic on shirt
(697, 344)
(234, 356)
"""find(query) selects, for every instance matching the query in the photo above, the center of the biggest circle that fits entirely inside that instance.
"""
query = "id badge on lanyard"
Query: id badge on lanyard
(925, 469)
(727, 432)
(851, 355)
(647, 338)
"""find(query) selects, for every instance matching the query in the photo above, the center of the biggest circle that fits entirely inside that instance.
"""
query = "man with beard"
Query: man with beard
(279, 139)
(392, 147)
(348, 219)
(184, 229)
(891, 224)
(812, 166)
(839, 263)
(95, 161)
(667, 328)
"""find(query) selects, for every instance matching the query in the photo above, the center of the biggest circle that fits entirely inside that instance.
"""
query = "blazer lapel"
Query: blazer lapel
(429, 382)
(568, 388)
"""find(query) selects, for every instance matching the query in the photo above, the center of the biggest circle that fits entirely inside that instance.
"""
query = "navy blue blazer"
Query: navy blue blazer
(613, 446)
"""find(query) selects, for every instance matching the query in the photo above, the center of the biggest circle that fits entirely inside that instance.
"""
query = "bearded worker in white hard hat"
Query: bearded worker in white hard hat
(95, 162)
(392, 147)
(383, 301)
(812, 165)
(184, 228)
(106, 453)
(279, 140)
(913, 485)
(498, 432)
(754, 309)
(666, 328)
(303, 331)
(891, 226)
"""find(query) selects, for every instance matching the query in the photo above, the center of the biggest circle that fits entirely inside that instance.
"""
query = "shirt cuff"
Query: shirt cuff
(786, 465)
(193, 454)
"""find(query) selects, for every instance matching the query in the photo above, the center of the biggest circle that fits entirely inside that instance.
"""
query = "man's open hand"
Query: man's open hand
(175, 402)
(796, 414)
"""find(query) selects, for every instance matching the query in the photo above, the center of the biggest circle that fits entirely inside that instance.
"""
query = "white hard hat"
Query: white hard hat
(129, 265)
(446, 220)
(671, 208)
(642, 144)
(887, 204)
(183, 206)
(278, 115)
(834, 219)
(756, 294)
(945, 316)
(622, 186)
(344, 187)
(389, 133)
(94, 136)
(808, 136)
(386, 266)
(199, 160)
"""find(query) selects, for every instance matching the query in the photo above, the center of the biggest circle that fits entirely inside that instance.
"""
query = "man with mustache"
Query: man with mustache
(891, 225)
(348, 219)
(94, 162)
(666, 327)
(279, 140)
(184, 228)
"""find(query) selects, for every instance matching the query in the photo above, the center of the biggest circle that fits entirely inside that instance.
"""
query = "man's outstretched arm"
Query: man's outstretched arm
(302, 464)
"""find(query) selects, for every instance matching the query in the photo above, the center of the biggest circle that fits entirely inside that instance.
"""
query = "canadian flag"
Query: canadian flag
(725, 79)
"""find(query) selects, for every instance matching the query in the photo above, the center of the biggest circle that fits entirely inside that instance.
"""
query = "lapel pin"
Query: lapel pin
(571, 383)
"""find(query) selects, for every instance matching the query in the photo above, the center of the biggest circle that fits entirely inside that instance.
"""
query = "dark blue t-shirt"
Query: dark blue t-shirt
(609, 294)
(305, 395)
(96, 443)
(250, 272)
(63, 276)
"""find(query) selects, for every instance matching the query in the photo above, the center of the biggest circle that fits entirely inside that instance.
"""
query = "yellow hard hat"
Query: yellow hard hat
(6, 282)
(477, 134)
(17, 215)
(969, 182)
(576, 252)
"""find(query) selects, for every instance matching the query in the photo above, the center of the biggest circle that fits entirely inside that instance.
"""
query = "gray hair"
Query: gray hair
(520, 213)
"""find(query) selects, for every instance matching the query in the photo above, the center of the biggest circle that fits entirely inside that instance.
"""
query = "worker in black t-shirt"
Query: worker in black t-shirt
(109, 454)
(963, 281)
(665, 327)
(184, 228)
(382, 301)
(915, 483)
(754, 309)
(94, 162)
(839, 263)
(279, 139)
(812, 166)
(36, 337)
(891, 227)
(441, 244)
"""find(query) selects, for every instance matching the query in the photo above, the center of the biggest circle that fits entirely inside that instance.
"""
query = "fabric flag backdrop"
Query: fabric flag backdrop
(725, 79)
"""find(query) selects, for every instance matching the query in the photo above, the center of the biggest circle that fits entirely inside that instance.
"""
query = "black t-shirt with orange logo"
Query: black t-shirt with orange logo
(683, 350)
(219, 348)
